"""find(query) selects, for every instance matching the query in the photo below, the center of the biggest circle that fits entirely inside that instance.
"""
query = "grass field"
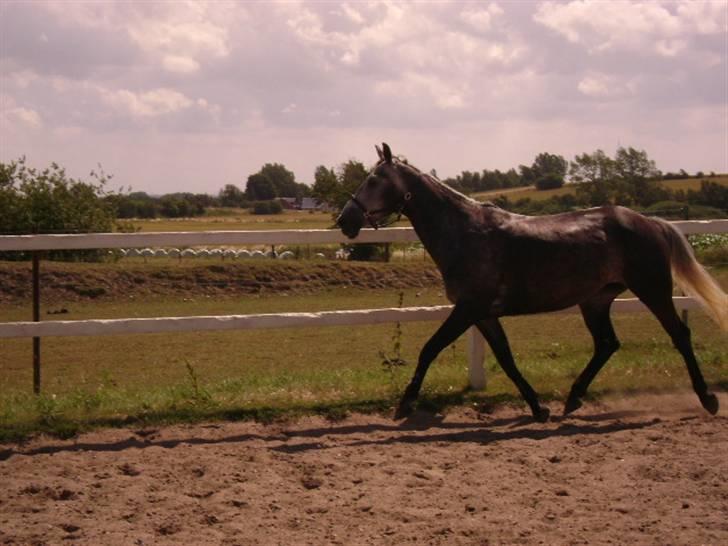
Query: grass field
(531, 192)
(240, 220)
(162, 378)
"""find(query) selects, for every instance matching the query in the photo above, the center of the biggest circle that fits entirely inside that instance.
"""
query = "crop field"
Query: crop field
(531, 192)
(239, 219)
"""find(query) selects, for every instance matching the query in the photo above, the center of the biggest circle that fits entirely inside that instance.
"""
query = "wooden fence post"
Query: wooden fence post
(476, 359)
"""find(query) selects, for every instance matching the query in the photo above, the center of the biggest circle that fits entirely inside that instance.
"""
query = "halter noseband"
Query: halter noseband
(369, 213)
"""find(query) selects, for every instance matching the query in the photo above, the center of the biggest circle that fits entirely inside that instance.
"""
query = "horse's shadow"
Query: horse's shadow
(422, 428)
(498, 430)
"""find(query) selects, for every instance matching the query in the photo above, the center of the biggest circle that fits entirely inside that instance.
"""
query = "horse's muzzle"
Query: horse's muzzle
(351, 220)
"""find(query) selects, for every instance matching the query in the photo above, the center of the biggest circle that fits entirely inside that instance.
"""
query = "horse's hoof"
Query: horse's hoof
(542, 415)
(572, 404)
(405, 409)
(710, 403)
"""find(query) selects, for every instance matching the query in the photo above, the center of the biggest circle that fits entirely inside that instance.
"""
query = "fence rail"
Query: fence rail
(94, 327)
(79, 241)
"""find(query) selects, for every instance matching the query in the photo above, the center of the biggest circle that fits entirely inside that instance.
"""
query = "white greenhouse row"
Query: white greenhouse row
(223, 253)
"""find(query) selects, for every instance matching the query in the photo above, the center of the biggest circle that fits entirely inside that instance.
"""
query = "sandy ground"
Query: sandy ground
(644, 470)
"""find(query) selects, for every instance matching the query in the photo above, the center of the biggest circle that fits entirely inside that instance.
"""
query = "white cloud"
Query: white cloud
(353, 15)
(184, 35)
(26, 116)
(670, 48)
(153, 103)
(704, 17)
(180, 64)
(481, 19)
(603, 86)
(23, 78)
(644, 25)
(412, 85)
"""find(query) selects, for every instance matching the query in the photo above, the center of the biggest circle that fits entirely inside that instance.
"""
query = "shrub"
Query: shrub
(267, 207)
(367, 252)
(549, 181)
(48, 201)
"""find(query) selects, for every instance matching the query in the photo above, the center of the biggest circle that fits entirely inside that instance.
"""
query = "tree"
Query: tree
(528, 177)
(259, 188)
(351, 175)
(326, 186)
(592, 168)
(271, 181)
(548, 171)
(628, 179)
(711, 194)
(232, 196)
(639, 173)
(283, 180)
(597, 179)
(49, 201)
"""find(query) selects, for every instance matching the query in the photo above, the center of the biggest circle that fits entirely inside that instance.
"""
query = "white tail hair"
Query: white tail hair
(693, 279)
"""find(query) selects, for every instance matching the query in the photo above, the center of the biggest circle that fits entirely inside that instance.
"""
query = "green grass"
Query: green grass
(531, 192)
(239, 219)
(161, 378)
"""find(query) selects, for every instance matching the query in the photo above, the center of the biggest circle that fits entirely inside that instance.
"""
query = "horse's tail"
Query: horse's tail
(693, 279)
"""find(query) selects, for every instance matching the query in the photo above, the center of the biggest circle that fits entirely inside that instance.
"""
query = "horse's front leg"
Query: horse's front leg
(495, 335)
(460, 319)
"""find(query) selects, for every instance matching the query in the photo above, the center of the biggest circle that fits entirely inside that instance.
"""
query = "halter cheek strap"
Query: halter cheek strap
(369, 213)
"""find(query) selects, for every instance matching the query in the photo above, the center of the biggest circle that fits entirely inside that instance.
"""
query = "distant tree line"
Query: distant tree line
(548, 171)
(49, 200)
(631, 179)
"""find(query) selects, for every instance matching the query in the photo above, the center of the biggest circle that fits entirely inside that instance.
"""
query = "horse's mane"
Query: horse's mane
(437, 184)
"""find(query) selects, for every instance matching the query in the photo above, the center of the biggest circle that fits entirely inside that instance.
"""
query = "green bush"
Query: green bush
(367, 252)
(48, 201)
(267, 207)
(549, 181)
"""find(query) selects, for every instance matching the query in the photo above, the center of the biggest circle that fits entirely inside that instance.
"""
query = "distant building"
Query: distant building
(309, 203)
(304, 203)
(288, 203)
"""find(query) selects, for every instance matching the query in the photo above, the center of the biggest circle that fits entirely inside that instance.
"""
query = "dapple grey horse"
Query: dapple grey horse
(495, 263)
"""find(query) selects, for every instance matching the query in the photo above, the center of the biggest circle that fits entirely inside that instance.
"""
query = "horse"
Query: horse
(495, 263)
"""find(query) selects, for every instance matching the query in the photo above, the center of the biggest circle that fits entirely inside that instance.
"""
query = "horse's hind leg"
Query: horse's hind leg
(496, 337)
(659, 301)
(596, 317)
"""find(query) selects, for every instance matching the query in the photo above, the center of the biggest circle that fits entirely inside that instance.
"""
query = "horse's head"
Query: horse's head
(380, 195)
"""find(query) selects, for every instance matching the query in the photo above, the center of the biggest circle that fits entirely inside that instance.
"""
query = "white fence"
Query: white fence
(127, 326)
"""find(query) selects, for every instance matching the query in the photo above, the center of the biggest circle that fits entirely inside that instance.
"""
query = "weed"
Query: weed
(199, 395)
(395, 360)
(47, 409)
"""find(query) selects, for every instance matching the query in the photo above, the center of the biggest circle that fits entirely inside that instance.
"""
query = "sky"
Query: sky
(190, 96)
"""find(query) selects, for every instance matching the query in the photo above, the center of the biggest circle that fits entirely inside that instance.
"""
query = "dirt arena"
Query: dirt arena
(643, 470)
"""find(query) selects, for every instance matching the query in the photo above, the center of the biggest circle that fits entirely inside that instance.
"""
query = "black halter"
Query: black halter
(369, 213)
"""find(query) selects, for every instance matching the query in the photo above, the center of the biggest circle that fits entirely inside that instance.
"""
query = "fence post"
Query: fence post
(476, 358)
(36, 318)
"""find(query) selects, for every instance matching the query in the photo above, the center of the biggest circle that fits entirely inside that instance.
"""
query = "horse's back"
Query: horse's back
(553, 262)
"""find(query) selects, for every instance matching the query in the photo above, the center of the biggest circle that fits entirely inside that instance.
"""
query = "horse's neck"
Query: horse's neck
(438, 215)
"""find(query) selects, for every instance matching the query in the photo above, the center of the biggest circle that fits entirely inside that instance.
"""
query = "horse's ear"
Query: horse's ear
(379, 151)
(386, 152)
